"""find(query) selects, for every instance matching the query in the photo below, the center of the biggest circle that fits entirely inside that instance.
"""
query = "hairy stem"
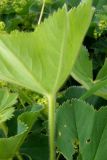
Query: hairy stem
(41, 13)
(51, 124)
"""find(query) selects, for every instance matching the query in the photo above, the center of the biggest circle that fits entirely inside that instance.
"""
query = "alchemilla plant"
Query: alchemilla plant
(35, 65)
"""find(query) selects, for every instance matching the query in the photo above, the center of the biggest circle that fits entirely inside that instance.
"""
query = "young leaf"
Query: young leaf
(83, 131)
(6, 101)
(43, 67)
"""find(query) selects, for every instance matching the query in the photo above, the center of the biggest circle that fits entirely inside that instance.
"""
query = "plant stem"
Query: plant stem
(91, 91)
(41, 13)
(4, 128)
(58, 156)
(19, 157)
(51, 123)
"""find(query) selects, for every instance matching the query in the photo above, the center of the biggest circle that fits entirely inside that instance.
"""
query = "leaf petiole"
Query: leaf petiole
(19, 157)
(51, 124)
(94, 89)
(41, 13)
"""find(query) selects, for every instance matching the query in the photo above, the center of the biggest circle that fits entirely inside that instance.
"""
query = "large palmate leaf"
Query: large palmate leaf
(42, 60)
(6, 101)
(10, 146)
(82, 130)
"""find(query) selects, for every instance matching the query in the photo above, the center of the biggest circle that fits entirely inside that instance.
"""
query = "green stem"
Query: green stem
(41, 13)
(58, 156)
(22, 103)
(94, 89)
(19, 157)
(51, 124)
(4, 129)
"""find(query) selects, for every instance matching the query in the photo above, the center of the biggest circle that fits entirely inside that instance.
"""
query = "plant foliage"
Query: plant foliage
(28, 67)
(82, 131)
(58, 39)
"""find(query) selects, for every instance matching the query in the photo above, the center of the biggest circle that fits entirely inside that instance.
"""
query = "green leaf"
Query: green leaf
(73, 2)
(82, 70)
(99, 3)
(10, 146)
(100, 47)
(83, 131)
(42, 60)
(6, 101)
(77, 92)
(69, 93)
(36, 147)
(43, 67)
(100, 83)
(102, 74)
(72, 128)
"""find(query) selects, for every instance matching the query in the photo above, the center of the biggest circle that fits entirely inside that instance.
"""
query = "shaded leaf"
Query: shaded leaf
(82, 130)
(99, 3)
(102, 75)
(100, 83)
(82, 72)
(10, 146)
(72, 128)
(77, 92)
(69, 93)
(36, 146)
(103, 72)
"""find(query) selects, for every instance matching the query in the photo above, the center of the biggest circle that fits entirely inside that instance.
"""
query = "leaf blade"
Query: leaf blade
(43, 67)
